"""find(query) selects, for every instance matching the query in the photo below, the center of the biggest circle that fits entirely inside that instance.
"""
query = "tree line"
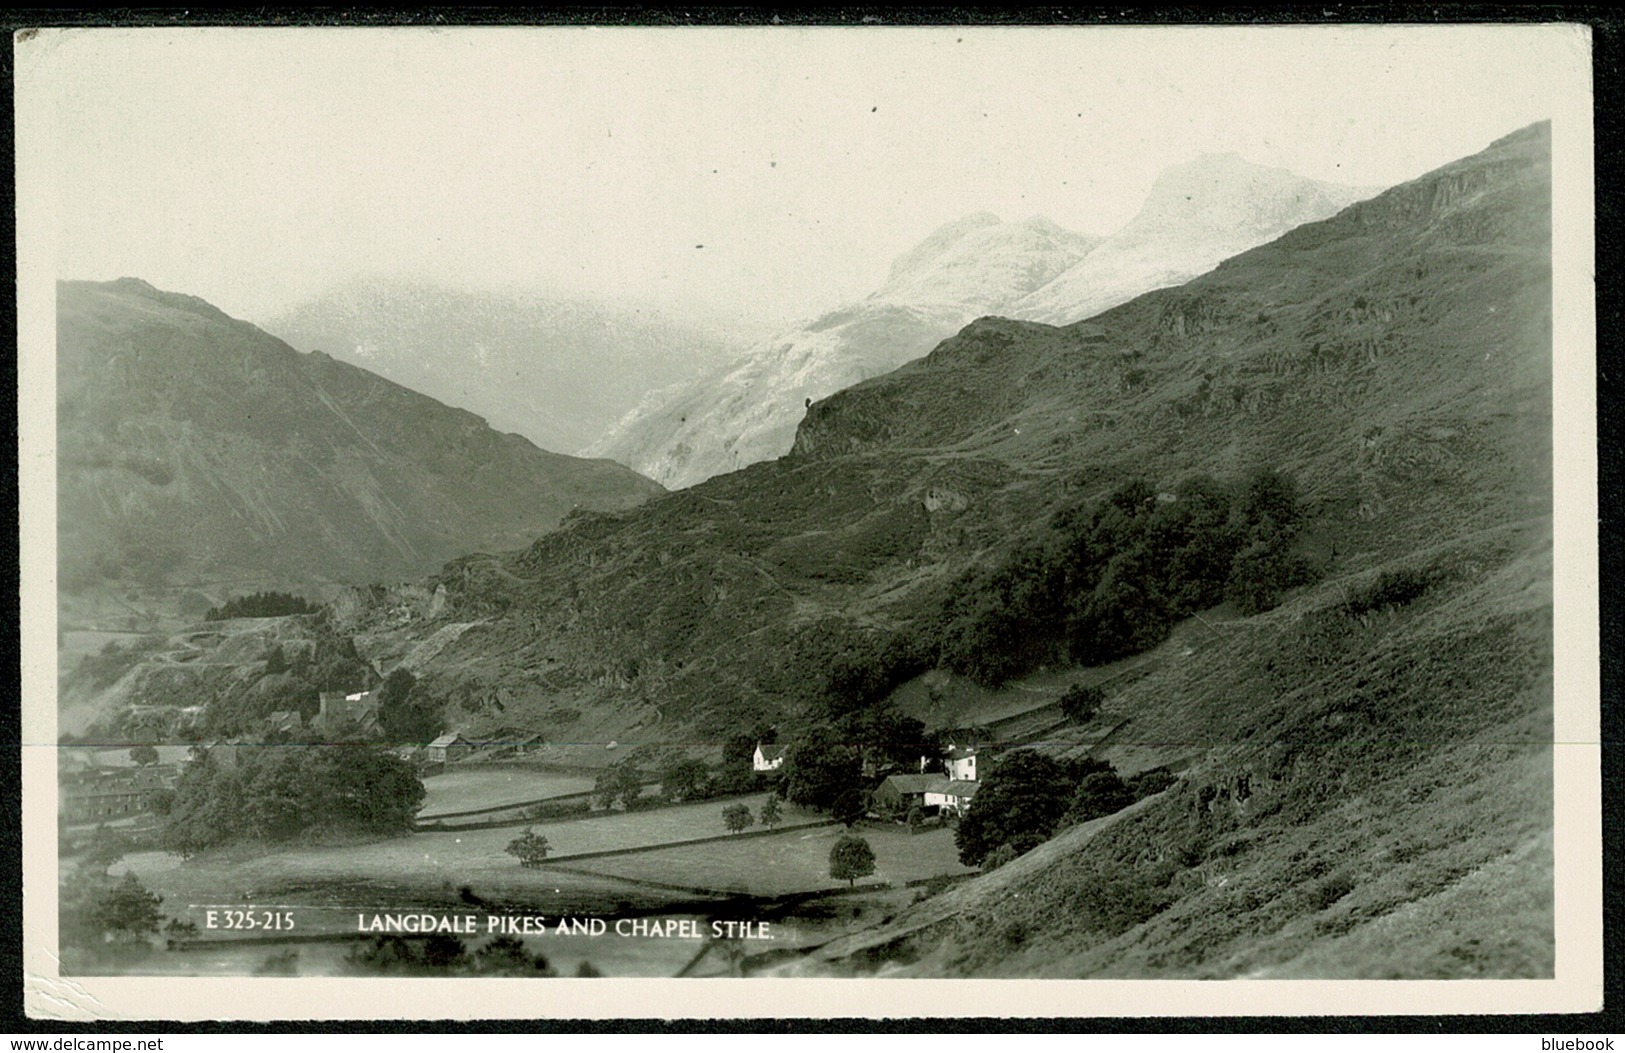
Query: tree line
(280, 792)
(261, 605)
(1109, 579)
(1095, 582)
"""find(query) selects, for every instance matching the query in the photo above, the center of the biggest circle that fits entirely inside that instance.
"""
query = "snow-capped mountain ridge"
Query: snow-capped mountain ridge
(1196, 215)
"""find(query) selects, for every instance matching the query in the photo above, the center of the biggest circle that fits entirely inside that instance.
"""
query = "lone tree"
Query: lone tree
(1080, 703)
(850, 859)
(276, 660)
(144, 754)
(531, 848)
(738, 817)
(771, 814)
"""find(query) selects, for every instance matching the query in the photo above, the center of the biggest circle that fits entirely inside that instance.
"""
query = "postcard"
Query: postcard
(915, 521)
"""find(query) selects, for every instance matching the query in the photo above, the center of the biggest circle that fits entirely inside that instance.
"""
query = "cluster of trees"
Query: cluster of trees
(293, 681)
(443, 955)
(1028, 796)
(103, 917)
(737, 817)
(1109, 579)
(530, 848)
(621, 785)
(99, 915)
(280, 792)
(407, 712)
(824, 768)
(261, 605)
(103, 668)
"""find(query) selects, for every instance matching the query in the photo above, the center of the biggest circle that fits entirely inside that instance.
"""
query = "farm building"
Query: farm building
(355, 711)
(952, 796)
(768, 758)
(447, 749)
(898, 793)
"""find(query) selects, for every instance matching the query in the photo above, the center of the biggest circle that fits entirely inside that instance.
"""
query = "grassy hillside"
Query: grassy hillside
(195, 448)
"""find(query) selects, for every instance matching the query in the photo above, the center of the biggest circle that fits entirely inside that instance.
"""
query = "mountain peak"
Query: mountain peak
(1198, 212)
(939, 241)
(982, 263)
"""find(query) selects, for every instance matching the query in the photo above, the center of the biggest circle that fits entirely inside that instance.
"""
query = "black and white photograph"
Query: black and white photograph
(808, 503)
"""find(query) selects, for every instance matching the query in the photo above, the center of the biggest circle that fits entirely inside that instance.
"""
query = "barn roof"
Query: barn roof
(448, 739)
(915, 783)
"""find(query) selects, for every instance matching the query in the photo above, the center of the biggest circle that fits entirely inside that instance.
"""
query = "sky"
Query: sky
(758, 175)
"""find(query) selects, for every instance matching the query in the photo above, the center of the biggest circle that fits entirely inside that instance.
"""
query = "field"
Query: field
(467, 789)
(429, 868)
(325, 887)
(793, 861)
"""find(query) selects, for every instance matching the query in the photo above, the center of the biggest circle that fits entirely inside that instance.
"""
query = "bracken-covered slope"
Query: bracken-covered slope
(196, 448)
(1366, 775)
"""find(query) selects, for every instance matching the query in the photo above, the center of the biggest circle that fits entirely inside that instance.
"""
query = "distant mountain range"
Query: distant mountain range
(1196, 215)
(558, 371)
(193, 447)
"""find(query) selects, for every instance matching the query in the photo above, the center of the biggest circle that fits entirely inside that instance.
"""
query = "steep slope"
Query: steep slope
(1366, 768)
(1392, 360)
(1370, 794)
(557, 371)
(1197, 214)
(194, 447)
(748, 411)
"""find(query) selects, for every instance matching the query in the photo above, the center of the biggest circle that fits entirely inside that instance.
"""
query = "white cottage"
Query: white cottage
(952, 796)
(960, 764)
(768, 758)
